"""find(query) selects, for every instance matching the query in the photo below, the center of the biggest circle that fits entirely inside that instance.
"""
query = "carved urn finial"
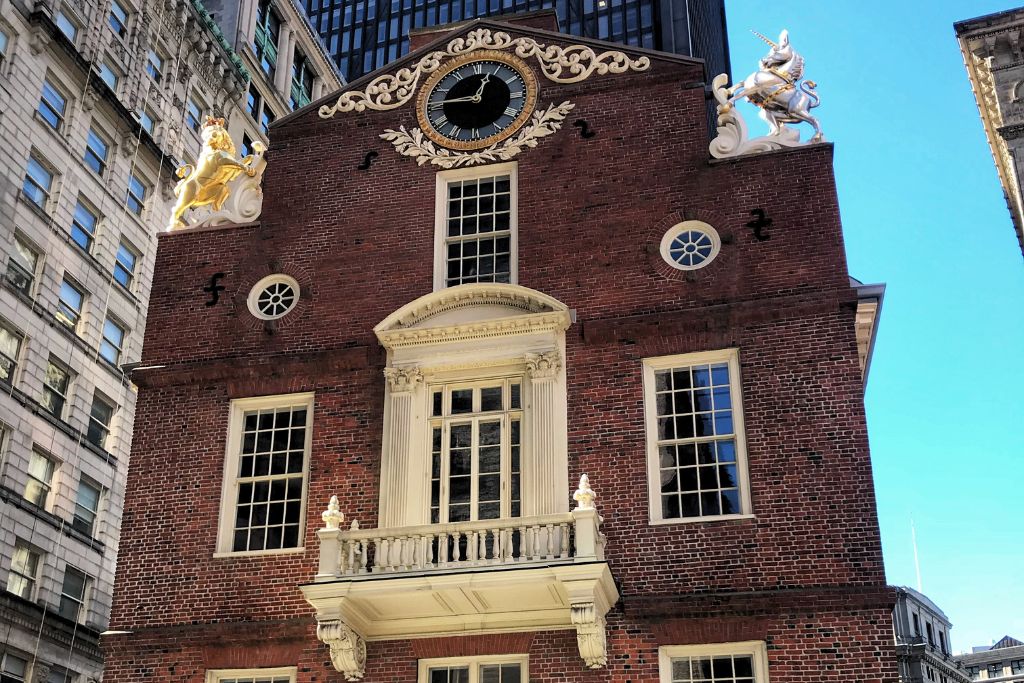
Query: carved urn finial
(332, 515)
(584, 495)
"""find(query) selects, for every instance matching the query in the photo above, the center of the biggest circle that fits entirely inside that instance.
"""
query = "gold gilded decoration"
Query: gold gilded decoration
(570, 64)
(414, 143)
(214, 179)
(519, 65)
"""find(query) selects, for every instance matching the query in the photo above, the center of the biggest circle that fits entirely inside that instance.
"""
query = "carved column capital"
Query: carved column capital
(590, 635)
(402, 380)
(541, 366)
(348, 649)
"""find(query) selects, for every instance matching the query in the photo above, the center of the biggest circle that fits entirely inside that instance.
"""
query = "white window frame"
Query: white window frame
(754, 648)
(474, 664)
(650, 367)
(229, 487)
(218, 675)
(441, 215)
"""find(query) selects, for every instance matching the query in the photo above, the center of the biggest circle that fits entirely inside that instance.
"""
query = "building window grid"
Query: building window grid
(66, 26)
(136, 195)
(268, 30)
(194, 115)
(70, 302)
(14, 668)
(476, 437)
(481, 669)
(10, 351)
(302, 81)
(73, 594)
(87, 506)
(270, 477)
(108, 75)
(1017, 666)
(56, 385)
(97, 149)
(118, 19)
(83, 226)
(24, 571)
(22, 266)
(155, 66)
(275, 675)
(4, 42)
(40, 478)
(124, 265)
(112, 345)
(52, 105)
(100, 416)
(38, 182)
(478, 230)
(713, 669)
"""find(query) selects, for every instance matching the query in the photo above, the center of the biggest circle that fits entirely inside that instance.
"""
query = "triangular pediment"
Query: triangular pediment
(475, 310)
(561, 57)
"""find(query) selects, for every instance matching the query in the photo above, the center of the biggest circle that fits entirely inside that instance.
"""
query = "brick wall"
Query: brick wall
(807, 569)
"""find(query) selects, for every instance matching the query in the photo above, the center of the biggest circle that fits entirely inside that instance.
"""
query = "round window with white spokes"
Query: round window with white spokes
(690, 245)
(273, 297)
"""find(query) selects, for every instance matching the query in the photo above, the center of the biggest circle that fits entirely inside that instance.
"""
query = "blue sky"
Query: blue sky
(923, 212)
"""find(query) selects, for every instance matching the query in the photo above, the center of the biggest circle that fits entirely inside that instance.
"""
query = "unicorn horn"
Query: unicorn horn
(763, 38)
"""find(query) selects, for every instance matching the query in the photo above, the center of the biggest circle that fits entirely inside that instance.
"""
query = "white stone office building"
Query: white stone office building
(100, 102)
(923, 645)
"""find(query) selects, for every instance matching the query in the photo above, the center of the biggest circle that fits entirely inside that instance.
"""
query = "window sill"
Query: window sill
(701, 520)
(245, 554)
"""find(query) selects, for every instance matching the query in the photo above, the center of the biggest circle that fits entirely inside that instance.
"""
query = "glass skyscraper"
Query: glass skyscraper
(364, 35)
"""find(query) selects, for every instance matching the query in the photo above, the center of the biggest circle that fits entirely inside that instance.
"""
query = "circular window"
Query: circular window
(273, 297)
(690, 245)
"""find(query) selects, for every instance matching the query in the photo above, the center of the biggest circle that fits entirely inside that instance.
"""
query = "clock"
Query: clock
(476, 100)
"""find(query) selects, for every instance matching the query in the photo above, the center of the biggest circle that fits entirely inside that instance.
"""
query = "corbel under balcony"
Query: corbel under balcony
(520, 574)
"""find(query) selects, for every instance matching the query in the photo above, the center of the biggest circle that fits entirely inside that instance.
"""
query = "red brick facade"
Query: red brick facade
(805, 574)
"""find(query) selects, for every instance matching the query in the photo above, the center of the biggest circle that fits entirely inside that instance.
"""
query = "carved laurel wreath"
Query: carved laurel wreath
(413, 143)
(563, 65)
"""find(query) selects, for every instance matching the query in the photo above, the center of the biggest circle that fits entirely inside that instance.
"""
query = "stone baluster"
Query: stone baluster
(563, 530)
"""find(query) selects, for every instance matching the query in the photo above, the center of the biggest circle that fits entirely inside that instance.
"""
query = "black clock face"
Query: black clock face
(476, 101)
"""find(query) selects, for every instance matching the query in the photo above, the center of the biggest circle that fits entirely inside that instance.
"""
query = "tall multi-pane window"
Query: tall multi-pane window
(24, 571)
(10, 351)
(97, 150)
(73, 594)
(277, 675)
(477, 226)
(40, 478)
(113, 341)
(69, 304)
(118, 19)
(302, 81)
(22, 266)
(124, 264)
(83, 226)
(66, 26)
(486, 669)
(100, 416)
(268, 455)
(155, 66)
(694, 436)
(52, 105)
(14, 669)
(137, 192)
(56, 385)
(268, 30)
(87, 506)
(38, 182)
(194, 115)
(476, 432)
(744, 662)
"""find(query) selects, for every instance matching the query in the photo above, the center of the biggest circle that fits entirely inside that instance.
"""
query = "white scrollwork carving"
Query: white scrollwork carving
(402, 380)
(543, 365)
(348, 649)
(332, 515)
(413, 143)
(590, 634)
(563, 65)
(584, 495)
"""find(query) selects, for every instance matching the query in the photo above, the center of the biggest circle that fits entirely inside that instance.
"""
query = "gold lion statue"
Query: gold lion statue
(207, 181)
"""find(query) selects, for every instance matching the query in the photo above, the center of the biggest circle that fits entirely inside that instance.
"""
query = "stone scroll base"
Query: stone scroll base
(733, 138)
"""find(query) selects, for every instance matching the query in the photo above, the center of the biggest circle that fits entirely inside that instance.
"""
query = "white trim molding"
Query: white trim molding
(755, 649)
(511, 169)
(474, 664)
(232, 459)
(246, 675)
(688, 437)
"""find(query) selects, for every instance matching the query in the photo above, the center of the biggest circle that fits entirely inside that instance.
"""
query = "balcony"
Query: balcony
(520, 574)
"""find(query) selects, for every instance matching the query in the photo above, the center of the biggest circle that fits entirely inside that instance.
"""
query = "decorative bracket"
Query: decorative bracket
(348, 649)
(590, 634)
